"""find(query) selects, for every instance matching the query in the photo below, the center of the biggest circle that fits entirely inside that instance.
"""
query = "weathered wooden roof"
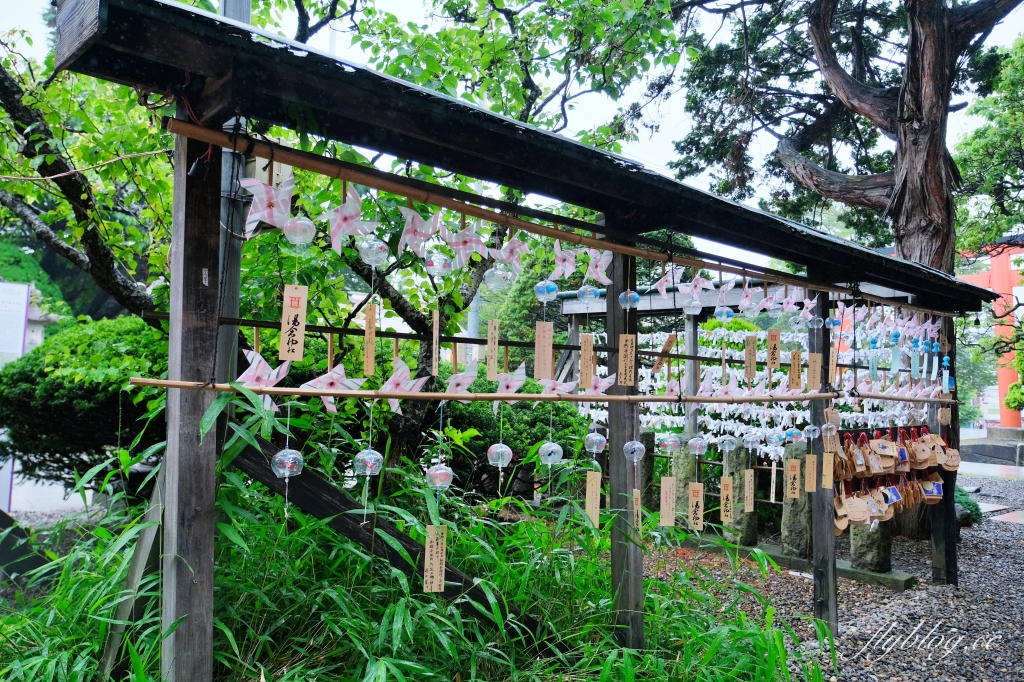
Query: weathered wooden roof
(226, 68)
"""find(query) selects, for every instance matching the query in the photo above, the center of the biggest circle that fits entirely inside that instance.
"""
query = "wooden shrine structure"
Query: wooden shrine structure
(225, 68)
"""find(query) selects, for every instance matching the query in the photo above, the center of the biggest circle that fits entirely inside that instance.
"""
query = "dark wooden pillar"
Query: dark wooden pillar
(943, 515)
(823, 538)
(624, 426)
(189, 465)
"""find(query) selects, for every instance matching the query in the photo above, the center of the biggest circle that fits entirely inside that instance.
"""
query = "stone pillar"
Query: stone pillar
(796, 513)
(871, 551)
(743, 529)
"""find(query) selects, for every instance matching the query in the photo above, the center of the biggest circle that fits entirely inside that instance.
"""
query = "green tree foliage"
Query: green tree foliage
(63, 404)
(991, 158)
(18, 266)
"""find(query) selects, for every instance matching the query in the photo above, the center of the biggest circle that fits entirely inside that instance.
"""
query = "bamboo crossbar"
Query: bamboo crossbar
(395, 184)
(547, 397)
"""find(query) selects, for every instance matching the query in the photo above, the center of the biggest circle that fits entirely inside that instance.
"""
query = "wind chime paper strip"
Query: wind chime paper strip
(810, 473)
(435, 350)
(638, 514)
(586, 360)
(771, 487)
(627, 360)
(833, 364)
(793, 478)
(814, 372)
(593, 499)
(542, 365)
(670, 343)
(696, 498)
(726, 488)
(774, 356)
(667, 514)
(293, 323)
(370, 341)
(750, 357)
(827, 472)
(748, 491)
(492, 350)
(795, 371)
(434, 559)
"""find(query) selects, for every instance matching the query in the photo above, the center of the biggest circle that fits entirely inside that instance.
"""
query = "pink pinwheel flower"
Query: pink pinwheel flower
(269, 204)
(510, 383)
(672, 387)
(730, 389)
(746, 300)
(599, 262)
(554, 386)
(510, 254)
(789, 303)
(808, 310)
(333, 381)
(723, 289)
(464, 243)
(400, 381)
(565, 261)
(259, 375)
(460, 383)
(417, 231)
(671, 277)
(344, 220)
(597, 387)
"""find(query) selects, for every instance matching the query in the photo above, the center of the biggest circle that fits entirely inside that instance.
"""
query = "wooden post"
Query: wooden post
(823, 538)
(692, 373)
(190, 463)
(945, 570)
(623, 426)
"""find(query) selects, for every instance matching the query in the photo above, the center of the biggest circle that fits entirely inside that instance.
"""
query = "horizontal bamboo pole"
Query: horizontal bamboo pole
(341, 171)
(496, 397)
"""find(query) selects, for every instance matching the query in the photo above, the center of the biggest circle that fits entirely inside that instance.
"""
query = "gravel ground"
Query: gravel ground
(968, 633)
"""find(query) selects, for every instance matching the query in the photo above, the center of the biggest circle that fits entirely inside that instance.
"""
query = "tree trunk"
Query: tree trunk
(922, 206)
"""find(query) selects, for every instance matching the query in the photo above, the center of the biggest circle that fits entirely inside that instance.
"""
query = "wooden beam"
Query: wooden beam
(190, 461)
(825, 606)
(624, 426)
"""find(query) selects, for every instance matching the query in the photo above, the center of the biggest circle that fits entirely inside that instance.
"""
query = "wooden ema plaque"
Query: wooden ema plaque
(667, 514)
(670, 343)
(492, 350)
(293, 323)
(792, 478)
(810, 473)
(814, 372)
(726, 499)
(586, 360)
(435, 352)
(774, 355)
(696, 498)
(542, 359)
(593, 497)
(827, 472)
(750, 357)
(748, 491)
(638, 514)
(434, 557)
(370, 341)
(795, 371)
(627, 360)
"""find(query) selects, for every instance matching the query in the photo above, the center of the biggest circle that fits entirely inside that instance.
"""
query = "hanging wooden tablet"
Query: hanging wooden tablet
(795, 371)
(492, 350)
(586, 360)
(667, 515)
(293, 323)
(435, 352)
(833, 364)
(811, 473)
(696, 514)
(748, 491)
(725, 486)
(542, 342)
(593, 498)
(792, 478)
(814, 372)
(670, 343)
(774, 355)
(638, 514)
(627, 360)
(771, 487)
(750, 357)
(434, 559)
(827, 472)
(370, 341)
